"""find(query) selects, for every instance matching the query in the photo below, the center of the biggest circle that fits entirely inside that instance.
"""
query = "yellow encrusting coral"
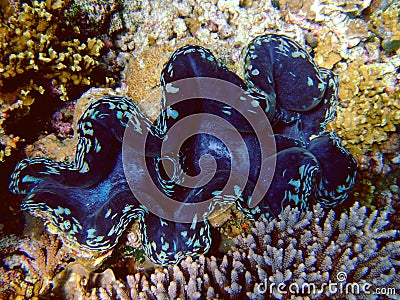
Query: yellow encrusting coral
(370, 107)
(30, 45)
(386, 24)
(41, 53)
(327, 53)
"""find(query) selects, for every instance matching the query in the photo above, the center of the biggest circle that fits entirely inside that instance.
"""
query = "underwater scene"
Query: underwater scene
(218, 149)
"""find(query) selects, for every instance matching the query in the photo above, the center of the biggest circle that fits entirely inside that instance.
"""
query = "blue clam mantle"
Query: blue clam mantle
(90, 203)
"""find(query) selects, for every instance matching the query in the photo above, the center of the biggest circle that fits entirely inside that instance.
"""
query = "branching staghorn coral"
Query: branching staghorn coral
(293, 251)
(319, 249)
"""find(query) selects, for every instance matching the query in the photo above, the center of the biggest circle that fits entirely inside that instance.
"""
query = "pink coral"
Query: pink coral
(61, 120)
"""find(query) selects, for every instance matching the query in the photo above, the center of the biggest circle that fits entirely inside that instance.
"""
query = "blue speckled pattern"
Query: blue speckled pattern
(91, 205)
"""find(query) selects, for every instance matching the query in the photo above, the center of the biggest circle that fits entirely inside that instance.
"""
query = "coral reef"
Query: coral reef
(386, 24)
(77, 282)
(370, 109)
(50, 146)
(45, 60)
(359, 39)
(353, 248)
(61, 121)
(96, 16)
(61, 146)
(29, 263)
(290, 251)
(345, 35)
(7, 142)
(225, 27)
(63, 194)
(42, 56)
(388, 196)
(378, 177)
(35, 57)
